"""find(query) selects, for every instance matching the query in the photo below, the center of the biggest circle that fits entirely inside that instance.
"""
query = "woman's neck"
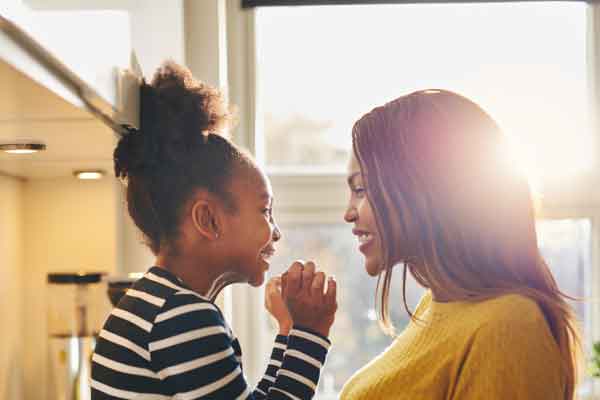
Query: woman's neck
(440, 298)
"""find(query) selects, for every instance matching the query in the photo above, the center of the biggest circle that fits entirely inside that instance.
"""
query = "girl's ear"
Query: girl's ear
(206, 218)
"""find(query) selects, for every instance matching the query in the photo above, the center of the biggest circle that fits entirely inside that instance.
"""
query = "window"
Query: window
(321, 68)
(564, 243)
(356, 334)
(318, 69)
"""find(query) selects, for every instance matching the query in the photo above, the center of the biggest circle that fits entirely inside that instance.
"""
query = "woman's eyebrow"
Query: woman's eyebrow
(351, 178)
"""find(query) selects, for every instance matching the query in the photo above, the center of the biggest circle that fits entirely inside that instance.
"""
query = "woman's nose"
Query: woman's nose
(350, 214)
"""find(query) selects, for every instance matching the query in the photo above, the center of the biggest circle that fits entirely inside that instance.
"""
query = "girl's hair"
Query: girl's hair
(450, 208)
(175, 152)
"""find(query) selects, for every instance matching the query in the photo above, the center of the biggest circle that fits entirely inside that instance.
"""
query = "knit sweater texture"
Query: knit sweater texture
(500, 348)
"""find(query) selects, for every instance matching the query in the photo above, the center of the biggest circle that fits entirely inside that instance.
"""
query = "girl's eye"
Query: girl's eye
(268, 212)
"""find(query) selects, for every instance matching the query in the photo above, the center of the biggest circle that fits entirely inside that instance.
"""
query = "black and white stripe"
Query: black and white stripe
(164, 340)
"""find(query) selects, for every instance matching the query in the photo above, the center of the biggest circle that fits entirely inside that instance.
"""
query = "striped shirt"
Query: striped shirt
(165, 341)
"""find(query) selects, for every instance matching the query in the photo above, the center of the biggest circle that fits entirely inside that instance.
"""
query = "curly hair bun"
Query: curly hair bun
(176, 112)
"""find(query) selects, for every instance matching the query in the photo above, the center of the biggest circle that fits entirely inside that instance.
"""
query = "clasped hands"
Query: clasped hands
(299, 297)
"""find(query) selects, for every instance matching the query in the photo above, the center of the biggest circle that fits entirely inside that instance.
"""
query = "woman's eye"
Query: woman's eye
(268, 212)
(359, 192)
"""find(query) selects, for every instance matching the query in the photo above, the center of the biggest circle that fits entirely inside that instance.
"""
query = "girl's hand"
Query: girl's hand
(276, 306)
(303, 290)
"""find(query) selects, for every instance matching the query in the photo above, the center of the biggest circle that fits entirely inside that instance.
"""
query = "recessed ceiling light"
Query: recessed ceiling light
(22, 148)
(89, 175)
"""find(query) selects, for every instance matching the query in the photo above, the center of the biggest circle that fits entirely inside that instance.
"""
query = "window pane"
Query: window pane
(564, 244)
(321, 68)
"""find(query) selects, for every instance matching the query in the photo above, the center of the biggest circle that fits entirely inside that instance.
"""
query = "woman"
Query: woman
(206, 211)
(431, 192)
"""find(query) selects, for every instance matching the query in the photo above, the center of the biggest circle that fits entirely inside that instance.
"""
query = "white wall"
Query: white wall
(68, 226)
(11, 307)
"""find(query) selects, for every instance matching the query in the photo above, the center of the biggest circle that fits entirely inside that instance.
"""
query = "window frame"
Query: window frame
(314, 198)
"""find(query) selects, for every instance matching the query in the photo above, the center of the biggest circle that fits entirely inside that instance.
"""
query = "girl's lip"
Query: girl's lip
(266, 254)
(269, 252)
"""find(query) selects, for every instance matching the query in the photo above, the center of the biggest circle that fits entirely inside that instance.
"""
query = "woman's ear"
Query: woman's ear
(206, 218)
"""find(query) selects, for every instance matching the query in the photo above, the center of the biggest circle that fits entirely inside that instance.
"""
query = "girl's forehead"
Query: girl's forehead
(252, 183)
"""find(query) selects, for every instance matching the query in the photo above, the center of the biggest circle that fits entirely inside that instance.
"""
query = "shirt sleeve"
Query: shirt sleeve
(512, 358)
(275, 361)
(303, 360)
(192, 353)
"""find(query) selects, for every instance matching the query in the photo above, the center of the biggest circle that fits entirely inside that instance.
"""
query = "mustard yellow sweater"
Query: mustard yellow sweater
(496, 349)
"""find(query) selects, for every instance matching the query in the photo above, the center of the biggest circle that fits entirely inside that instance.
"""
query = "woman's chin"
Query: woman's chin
(373, 268)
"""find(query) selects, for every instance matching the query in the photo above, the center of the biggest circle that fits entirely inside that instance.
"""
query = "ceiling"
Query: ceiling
(74, 138)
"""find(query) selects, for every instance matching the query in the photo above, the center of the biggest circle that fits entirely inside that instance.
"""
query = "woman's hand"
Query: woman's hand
(309, 305)
(276, 306)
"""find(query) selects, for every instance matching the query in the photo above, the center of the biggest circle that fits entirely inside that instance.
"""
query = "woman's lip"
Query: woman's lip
(364, 246)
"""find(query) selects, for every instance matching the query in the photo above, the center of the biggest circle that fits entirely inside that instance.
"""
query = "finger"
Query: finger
(273, 285)
(311, 266)
(284, 284)
(331, 294)
(308, 275)
(316, 290)
(294, 279)
(268, 295)
(270, 284)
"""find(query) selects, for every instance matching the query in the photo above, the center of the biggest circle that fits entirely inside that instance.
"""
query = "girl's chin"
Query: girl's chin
(258, 280)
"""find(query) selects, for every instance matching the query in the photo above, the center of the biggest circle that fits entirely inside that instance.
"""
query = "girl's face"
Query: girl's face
(360, 214)
(252, 231)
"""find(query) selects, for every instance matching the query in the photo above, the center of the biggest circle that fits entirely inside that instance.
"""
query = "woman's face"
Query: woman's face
(252, 229)
(360, 214)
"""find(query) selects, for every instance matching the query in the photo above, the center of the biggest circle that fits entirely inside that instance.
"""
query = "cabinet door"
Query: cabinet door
(87, 46)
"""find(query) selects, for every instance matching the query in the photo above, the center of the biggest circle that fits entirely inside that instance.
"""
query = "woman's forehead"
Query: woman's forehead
(353, 165)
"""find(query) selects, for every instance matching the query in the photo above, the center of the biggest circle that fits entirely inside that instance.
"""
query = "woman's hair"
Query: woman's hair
(450, 208)
(175, 151)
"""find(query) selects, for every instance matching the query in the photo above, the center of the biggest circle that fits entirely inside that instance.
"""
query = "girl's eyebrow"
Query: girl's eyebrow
(266, 196)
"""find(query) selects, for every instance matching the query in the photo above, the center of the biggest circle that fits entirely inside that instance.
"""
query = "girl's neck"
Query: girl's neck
(198, 277)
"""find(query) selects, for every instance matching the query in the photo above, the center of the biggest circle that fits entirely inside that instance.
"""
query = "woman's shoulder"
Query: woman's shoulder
(423, 304)
(514, 315)
(511, 307)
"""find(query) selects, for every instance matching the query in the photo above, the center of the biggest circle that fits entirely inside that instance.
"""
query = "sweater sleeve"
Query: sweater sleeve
(513, 357)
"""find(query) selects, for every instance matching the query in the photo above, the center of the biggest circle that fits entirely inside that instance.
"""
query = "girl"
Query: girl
(430, 191)
(206, 211)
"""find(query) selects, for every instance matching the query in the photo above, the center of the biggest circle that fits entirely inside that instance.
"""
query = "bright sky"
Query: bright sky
(525, 63)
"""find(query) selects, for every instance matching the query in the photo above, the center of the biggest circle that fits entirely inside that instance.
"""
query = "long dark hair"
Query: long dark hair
(451, 210)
